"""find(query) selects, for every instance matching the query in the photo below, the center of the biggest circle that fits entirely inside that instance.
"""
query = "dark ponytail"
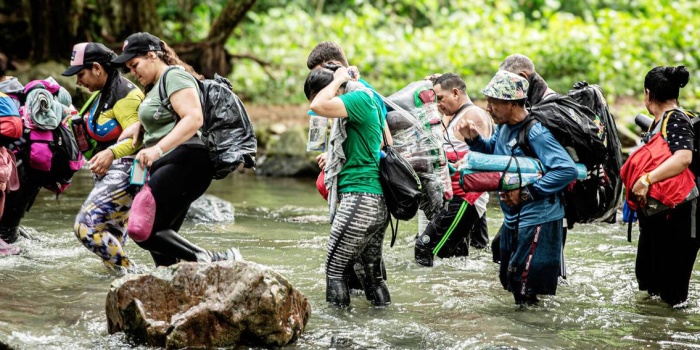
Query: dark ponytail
(168, 55)
(664, 83)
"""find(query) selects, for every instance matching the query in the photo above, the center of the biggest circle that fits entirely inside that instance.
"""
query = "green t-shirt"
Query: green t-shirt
(361, 171)
(156, 127)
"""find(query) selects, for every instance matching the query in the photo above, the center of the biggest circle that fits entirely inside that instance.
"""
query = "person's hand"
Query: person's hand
(354, 73)
(133, 132)
(467, 128)
(432, 76)
(343, 74)
(511, 198)
(147, 156)
(640, 191)
(100, 162)
(321, 160)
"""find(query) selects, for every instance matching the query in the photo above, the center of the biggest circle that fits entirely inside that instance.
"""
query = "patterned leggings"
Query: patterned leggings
(101, 222)
(357, 232)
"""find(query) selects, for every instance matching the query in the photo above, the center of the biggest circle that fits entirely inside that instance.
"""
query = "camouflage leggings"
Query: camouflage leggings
(101, 222)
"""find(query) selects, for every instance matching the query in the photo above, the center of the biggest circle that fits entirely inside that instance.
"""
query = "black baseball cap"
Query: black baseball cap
(85, 54)
(136, 44)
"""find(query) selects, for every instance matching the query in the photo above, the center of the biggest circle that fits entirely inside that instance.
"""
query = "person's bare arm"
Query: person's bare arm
(189, 109)
(481, 121)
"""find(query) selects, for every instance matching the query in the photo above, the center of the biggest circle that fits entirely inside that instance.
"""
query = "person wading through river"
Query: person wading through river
(531, 234)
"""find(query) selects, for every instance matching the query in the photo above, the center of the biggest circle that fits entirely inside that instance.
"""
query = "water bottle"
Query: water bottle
(318, 127)
(78, 126)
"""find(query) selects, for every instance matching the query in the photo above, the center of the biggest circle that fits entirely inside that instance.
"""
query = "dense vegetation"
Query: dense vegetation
(397, 41)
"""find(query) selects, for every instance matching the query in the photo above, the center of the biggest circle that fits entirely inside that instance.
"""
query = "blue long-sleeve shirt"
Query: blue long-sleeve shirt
(560, 170)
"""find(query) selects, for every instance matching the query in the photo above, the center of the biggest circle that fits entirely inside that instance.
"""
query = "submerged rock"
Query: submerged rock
(208, 305)
(210, 209)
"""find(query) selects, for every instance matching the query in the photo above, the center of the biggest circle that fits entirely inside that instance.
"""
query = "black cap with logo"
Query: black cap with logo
(136, 44)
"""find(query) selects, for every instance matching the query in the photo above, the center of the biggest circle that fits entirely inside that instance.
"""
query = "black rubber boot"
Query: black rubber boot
(337, 291)
(526, 300)
(9, 234)
(375, 288)
(170, 243)
(423, 254)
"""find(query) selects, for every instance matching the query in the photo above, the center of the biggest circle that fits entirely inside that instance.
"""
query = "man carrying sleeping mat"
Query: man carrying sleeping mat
(463, 221)
(531, 234)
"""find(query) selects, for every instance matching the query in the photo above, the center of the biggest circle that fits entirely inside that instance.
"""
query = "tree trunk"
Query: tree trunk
(210, 56)
(125, 17)
(51, 37)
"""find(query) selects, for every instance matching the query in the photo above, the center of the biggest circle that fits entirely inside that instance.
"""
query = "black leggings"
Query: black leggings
(176, 180)
(18, 203)
(666, 254)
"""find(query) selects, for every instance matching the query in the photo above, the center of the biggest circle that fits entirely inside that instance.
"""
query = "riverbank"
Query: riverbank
(624, 110)
(276, 119)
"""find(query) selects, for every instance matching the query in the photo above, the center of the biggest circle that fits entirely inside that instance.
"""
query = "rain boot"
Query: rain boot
(170, 243)
(9, 234)
(337, 291)
(423, 254)
(375, 288)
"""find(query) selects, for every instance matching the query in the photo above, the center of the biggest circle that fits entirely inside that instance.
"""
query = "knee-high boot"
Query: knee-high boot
(170, 243)
(376, 290)
(337, 291)
(422, 253)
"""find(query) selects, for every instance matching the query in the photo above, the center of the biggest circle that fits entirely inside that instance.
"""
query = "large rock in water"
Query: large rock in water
(208, 305)
(287, 157)
(210, 209)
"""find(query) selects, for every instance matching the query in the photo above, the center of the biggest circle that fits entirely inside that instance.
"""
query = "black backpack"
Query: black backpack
(401, 186)
(227, 131)
(576, 127)
(606, 178)
(583, 133)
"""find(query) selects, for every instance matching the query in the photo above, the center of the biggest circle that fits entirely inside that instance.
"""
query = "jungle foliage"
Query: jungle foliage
(394, 42)
(263, 44)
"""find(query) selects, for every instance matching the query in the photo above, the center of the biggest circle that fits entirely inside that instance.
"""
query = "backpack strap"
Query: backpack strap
(523, 134)
(88, 103)
(164, 97)
(394, 230)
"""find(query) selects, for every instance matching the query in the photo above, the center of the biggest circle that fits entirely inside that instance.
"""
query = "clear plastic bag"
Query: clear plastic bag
(318, 134)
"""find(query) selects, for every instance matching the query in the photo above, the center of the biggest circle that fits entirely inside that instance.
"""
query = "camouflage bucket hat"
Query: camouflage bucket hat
(506, 86)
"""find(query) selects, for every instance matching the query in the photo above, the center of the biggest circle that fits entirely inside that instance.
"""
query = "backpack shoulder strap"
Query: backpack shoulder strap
(667, 115)
(523, 133)
(163, 94)
(88, 103)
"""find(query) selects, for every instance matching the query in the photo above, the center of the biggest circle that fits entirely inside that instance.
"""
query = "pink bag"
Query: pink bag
(142, 215)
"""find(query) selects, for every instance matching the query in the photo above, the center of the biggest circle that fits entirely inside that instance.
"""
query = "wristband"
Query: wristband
(645, 180)
(160, 151)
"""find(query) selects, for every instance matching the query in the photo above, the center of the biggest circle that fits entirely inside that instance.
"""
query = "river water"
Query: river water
(52, 296)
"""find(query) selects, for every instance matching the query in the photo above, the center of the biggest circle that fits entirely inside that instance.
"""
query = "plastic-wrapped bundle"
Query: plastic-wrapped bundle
(397, 121)
(432, 198)
(476, 161)
(444, 173)
(419, 144)
(421, 163)
(406, 97)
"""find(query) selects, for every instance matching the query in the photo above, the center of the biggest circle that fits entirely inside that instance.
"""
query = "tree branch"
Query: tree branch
(227, 20)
